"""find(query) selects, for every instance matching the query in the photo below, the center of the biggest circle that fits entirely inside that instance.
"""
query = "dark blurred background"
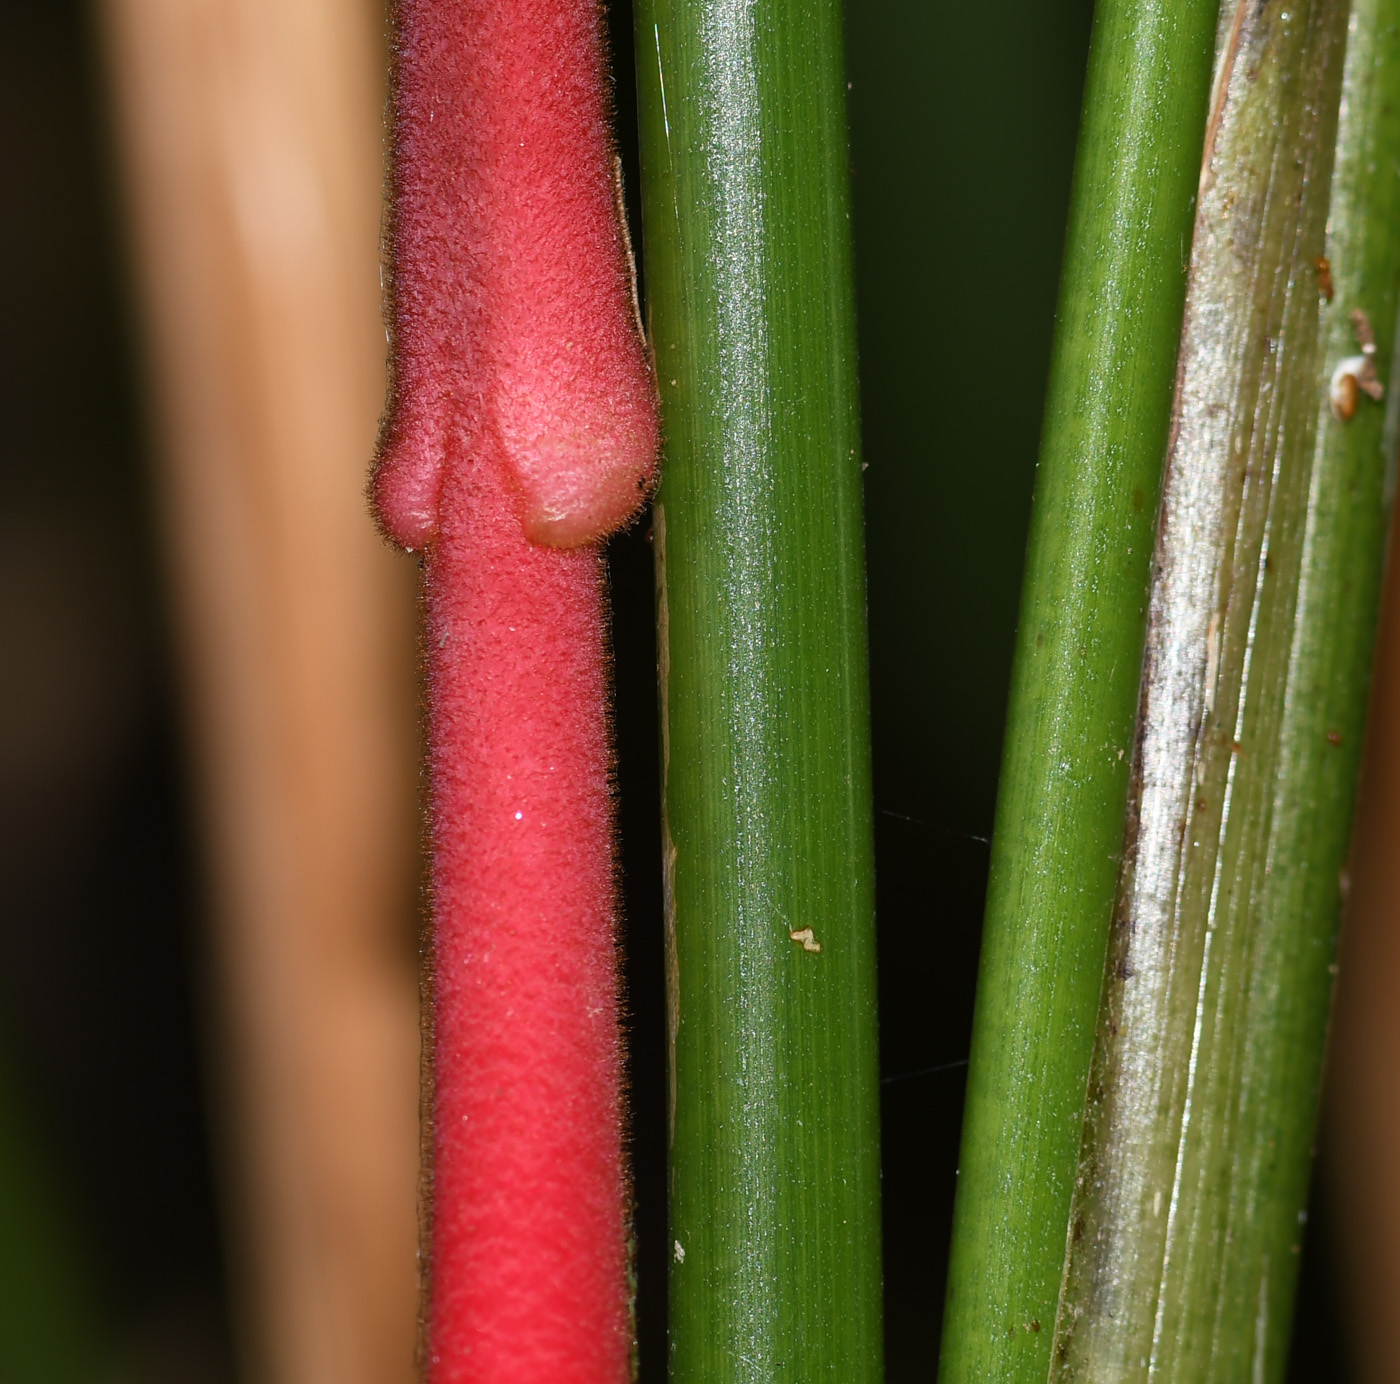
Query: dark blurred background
(111, 1267)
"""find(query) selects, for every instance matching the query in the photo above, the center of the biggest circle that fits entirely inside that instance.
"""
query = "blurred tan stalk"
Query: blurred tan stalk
(1363, 1104)
(251, 138)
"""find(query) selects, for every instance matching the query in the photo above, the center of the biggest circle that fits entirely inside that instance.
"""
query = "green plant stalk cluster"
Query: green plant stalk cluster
(774, 1182)
(1060, 811)
(1193, 1182)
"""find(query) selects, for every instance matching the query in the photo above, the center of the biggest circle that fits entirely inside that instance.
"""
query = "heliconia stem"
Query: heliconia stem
(528, 1241)
(522, 429)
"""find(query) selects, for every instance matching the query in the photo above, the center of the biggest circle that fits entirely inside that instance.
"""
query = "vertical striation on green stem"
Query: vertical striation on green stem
(1060, 811)
(775, 1264)
(1193, 1179)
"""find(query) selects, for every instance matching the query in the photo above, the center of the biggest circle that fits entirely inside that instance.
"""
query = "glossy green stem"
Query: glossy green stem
(775, 1264)
(1060, 811)
(1194, 1173)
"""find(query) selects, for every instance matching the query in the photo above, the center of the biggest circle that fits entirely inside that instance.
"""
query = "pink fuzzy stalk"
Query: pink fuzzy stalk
(522, 431)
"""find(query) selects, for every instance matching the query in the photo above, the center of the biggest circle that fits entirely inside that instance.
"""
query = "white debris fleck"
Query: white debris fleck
(1356, 375)
(680, 1253)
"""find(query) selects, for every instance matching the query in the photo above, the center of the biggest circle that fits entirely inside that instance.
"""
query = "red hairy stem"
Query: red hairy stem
(528, 1253)
(521, 431)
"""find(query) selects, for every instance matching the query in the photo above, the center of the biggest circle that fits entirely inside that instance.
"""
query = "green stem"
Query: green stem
(775, 1272)
(1203, 1099)
(1060, 812)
